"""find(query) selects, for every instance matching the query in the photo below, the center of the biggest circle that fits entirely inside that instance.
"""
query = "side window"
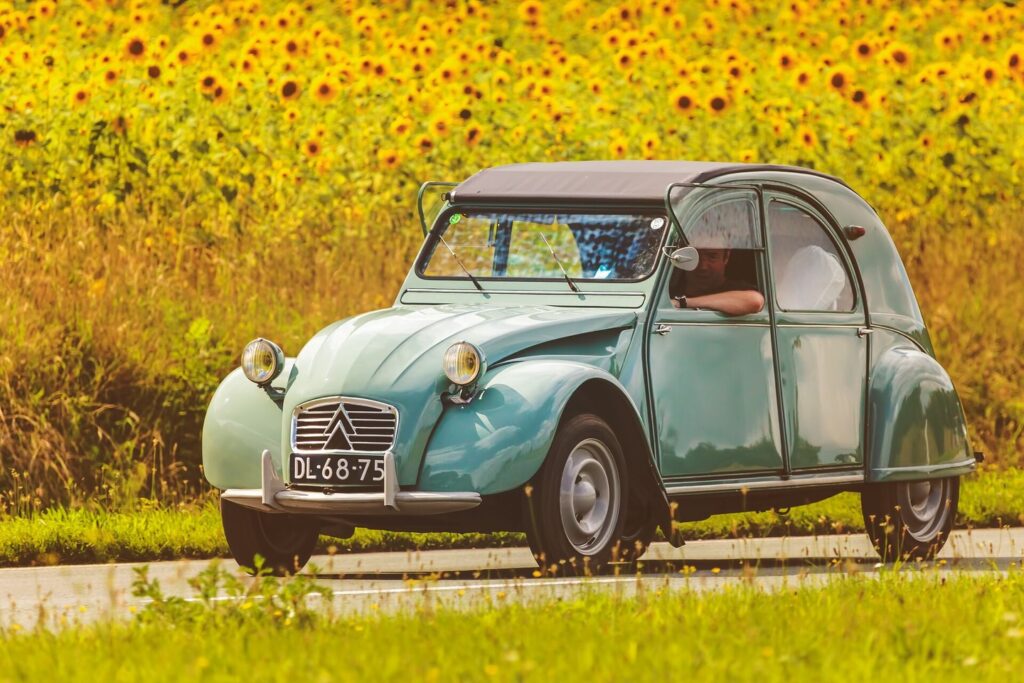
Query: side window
(809, 272)
(724, 229)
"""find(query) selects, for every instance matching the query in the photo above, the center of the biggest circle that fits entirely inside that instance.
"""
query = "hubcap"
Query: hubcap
(924, 507)
(589, 496)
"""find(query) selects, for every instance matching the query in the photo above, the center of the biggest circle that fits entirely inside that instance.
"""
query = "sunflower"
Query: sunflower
(401, 126)
(839, 78)
(206, 83)
(289, 90)
(862, 50)
(947, 39)
(990, 72)
(389, 158)
(324, 91)
(899, 55)
(807, 137)
(717, 103)
(618, 147)
(530, 11)
(1014, 59)
(312, 148)
(747, 155)
(79, 97)
(135, 47)
(649, 143)
(784, 58)
(859, 96)
(153, 71)
(473, 135)
(683, 100)
(802, 78)
(423, 143)
(220, 93)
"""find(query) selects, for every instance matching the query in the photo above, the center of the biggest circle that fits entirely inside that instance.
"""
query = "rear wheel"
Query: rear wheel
(285, 542)
(576, 504)
(910, 520)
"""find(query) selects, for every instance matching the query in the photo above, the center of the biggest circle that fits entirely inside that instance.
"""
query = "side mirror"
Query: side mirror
(686, 258)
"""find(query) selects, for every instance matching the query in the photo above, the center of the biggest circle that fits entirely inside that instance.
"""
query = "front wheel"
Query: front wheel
(910, 520)
(576, 505)
(285, 542)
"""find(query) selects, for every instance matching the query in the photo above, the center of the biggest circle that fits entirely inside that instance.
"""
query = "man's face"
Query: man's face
(710, 269)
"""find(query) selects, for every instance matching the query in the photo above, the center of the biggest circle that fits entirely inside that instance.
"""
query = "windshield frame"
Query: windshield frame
(433, 241)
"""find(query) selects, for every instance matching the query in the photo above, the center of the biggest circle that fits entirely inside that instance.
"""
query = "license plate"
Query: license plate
(337, 469)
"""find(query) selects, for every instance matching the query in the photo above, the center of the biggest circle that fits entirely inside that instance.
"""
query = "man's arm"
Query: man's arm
(737, 302)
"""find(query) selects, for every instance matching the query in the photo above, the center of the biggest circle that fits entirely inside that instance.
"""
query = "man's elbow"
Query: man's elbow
(751, 301)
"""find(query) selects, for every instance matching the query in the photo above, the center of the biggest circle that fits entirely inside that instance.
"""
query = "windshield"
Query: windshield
(544, 245)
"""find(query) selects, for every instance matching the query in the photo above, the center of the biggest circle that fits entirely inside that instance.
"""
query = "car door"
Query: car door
(711, 376)
(821, 338)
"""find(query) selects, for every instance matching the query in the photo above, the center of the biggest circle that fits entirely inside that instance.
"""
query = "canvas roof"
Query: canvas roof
(597, 181)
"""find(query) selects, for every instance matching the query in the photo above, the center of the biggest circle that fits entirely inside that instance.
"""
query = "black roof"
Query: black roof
(598, 181)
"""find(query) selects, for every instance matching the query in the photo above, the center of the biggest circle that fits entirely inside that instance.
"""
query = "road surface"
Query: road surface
(56, 596)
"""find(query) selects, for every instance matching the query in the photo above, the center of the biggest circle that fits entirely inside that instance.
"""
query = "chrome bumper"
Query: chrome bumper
(275, 496)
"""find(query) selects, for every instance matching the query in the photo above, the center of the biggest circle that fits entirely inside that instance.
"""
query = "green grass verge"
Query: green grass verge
(76, 536)
(894, 627)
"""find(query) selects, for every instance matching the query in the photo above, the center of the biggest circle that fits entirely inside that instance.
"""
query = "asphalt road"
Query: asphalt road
(56, 596)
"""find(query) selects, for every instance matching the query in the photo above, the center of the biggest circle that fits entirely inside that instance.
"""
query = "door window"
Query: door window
(809, 272)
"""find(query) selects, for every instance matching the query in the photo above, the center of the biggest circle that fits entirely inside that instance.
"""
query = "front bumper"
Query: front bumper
(275, 496)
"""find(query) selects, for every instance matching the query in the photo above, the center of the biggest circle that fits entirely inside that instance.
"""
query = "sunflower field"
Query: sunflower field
(180, 176)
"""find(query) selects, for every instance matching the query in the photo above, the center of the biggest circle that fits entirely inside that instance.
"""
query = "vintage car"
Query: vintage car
(588, 351)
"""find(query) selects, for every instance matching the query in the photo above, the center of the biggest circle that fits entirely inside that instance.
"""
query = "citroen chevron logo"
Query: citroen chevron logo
(338, 430)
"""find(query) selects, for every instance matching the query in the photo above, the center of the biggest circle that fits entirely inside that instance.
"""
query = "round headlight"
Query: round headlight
(262, 361)
(463, 363)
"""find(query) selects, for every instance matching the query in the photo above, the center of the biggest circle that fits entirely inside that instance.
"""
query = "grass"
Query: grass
(77, 536)
(896, 626)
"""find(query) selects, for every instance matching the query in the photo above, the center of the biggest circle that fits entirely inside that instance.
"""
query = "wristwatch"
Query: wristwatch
(681, 299)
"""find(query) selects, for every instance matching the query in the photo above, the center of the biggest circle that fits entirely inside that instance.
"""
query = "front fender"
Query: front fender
(240, 423)
(498, 441)
(918, 425)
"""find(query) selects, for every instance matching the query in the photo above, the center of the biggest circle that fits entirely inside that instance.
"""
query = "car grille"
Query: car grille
(343, 424)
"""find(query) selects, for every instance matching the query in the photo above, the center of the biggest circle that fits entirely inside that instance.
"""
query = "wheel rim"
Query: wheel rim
(924, 507)
(589, 496)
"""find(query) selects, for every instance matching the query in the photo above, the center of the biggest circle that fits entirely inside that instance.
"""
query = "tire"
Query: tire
(575, 506)
(285, 542)
(910, 520)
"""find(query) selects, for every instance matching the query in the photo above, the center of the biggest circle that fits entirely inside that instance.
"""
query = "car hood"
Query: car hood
(372, 353)
(394, 355)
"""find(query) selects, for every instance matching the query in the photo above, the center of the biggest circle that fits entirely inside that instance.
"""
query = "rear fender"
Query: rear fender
(918, 426)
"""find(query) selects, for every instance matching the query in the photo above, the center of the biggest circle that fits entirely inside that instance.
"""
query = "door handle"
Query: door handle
(662, 329)
(864, 331)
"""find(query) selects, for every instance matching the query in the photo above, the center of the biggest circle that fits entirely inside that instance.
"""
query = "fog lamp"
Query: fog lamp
(262, 361)
(463, 363)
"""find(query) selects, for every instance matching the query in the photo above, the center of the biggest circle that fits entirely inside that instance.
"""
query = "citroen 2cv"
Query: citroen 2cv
(589, 351)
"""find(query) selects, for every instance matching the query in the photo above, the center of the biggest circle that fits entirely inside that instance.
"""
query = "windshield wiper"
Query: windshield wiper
(572, 285)
(476, 283)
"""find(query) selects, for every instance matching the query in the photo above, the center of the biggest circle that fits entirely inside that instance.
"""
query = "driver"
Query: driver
(707, 287)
